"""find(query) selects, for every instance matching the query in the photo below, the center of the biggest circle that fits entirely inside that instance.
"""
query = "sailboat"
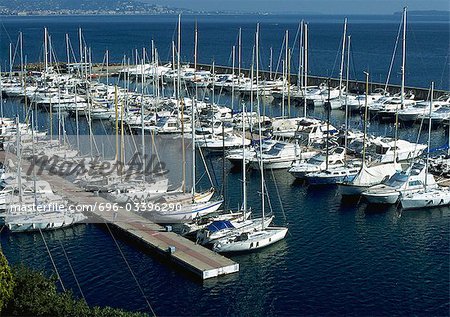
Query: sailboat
(367, 176)
(428, 197)
(262, 236)
(401, 183)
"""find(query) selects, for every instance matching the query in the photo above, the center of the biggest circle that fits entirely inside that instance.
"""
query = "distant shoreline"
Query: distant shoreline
(106, 14)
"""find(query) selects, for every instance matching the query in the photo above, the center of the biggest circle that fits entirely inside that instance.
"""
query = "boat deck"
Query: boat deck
(188, 255)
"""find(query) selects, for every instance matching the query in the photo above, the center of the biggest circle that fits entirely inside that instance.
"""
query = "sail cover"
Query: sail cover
(220, 225)
(375, 174)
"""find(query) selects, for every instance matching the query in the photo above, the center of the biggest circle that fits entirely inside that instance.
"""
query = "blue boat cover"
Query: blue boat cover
(219, 225)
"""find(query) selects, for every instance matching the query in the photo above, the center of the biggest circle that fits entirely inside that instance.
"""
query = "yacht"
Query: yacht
(401, 183)
(319, 162)
(383, 150)
(220, 142)
(436, 117)
(367, 176)
(412, 113)
(280, 156)
(334, 175)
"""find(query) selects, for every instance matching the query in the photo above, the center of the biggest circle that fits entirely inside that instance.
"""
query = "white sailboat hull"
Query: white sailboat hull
(381, 197)
(434, 198)
(352, 190)
(255, 241)
(184, 214)
(35, 222)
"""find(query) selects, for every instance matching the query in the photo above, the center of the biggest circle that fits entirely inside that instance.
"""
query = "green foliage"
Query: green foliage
(6, 282)
(37, 295)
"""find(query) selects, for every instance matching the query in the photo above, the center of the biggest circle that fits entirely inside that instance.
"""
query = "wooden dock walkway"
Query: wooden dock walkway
(188, 255)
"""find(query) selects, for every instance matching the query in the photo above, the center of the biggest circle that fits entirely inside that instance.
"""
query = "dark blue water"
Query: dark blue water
(373, 41)
(339, 257)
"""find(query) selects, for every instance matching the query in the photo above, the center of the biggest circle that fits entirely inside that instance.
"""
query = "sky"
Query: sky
(308, 6)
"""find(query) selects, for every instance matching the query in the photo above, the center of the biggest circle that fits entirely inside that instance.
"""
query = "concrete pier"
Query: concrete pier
(186, 254)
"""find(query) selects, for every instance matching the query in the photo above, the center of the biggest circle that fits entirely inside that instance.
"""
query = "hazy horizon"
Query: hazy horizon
(371, 7)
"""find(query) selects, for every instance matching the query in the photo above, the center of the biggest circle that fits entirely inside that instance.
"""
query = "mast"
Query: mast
(173, 56)
(195, 58)
(244, 170)
(347, 78)
(34, 159)
(89, 66)
(45, 81)
(233, 55)
(10, 60)
(80, 42)
(122, 131)
(67, 50)
(117, 121)
(283, 62)
(287, 52)
(328, 123)
(21, 58)
(289, 82)
(45, 53)
(1, 95)
(270, 63)
(365, 120)
(402, 93)
(76, 118)
(306, 69)
(252, 97)
(429, 135)
(142, 113)
(19, 165)
(107, 69)
(85, 64)
(50, 50)
(213, 79)
(300, 58)
(154, 69)
(181, 105)
(193, 109)
(261, 164)
(341, 71)
(403, 58)
(239, 55)
(24, 79)
(157, 78)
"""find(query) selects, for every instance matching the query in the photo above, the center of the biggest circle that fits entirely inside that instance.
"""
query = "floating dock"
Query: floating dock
(188, 255)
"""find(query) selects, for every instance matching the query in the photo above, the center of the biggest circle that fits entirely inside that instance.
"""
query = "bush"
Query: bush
(34, 294)
(6, 282)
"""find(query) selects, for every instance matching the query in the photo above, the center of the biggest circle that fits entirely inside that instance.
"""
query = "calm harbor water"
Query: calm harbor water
(338, 258)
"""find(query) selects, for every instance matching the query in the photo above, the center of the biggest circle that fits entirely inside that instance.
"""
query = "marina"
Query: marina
(215, 168)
